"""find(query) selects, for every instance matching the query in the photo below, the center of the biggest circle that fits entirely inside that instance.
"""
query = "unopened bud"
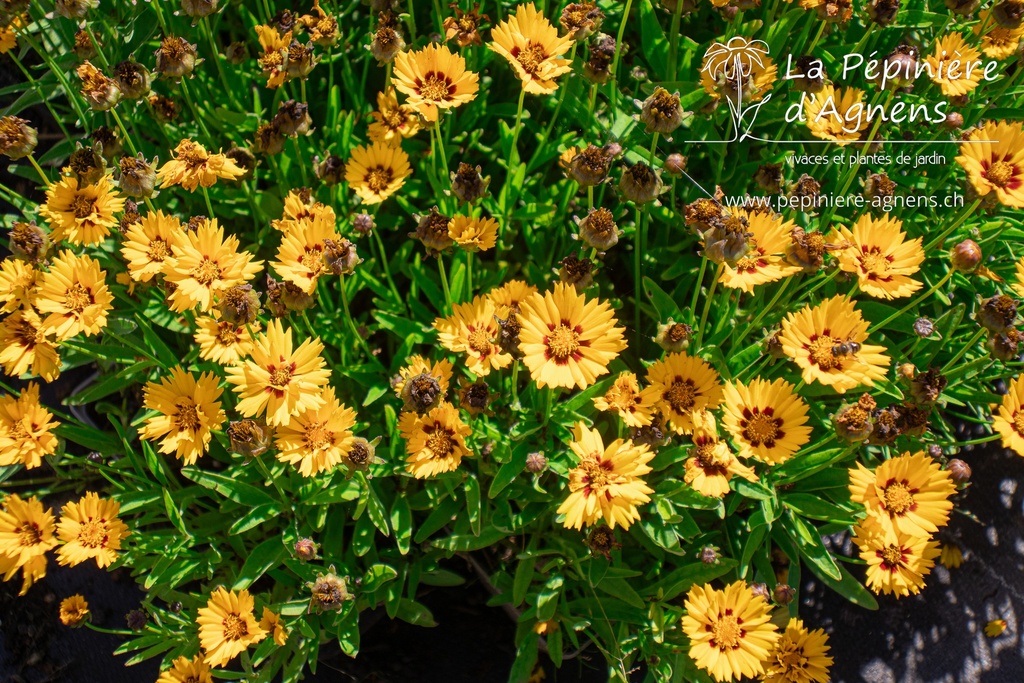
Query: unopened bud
(536, 462)
(306, 549)
(959, 471)
(966, 256)
(783, 593)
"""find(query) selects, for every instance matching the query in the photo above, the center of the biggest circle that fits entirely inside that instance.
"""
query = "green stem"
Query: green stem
(697, 286)
(58, 72)
(514, 160)
(444, 283)
(351, 322)
(124, 132)
(975, 442)
(618, 54)
(195, 111)
(771, 304)
(707, 305)
(638, 266)
(956, 224)
(967, 347)
(673, 40)
(209, 204)
(32, 160)
(265, 471)
(300, 160)
(515, 385)
(387, 269)
(469, 276)
(913, 303)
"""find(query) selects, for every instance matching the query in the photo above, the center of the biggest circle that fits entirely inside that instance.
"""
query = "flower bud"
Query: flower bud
(640, 184)
(136, 620)
(965, 256)
(363, 223)
(661, 112)
(954, 120)
(137, 177)
(959, 471)
(239, 305)
(133, 79)
(598, 229)
(249, 438)
(306, 550)
(783, 593)
(340, 256)
(330, 171)
(675, 164)
(536, 462)
(467, 183)
(997, 313)
(709, 554)
(175, 58)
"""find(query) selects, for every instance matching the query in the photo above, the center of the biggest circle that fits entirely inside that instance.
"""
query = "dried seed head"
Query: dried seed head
(1009, 13)
(293, 118)
(387, 39)
(883, 12)
(575, 271)
(244, 159)
(835, 11)
(100, 92)
(783, 593)
(773, 345)
(475, 397)
(886, 427)
(853, 423)
(703, 214)
(249, 438)
(464, 26)
(136, 177)
(807, 249)
(363, 223)
(340, 256)
(84, 47)
(769, 178)
(966, 256)
(508, 334)
(598, 229)
(601, 541)
(597, 69)
(761, 589)
(237, 52)
(467, 183)
(165, 109)
(640, 184)
(28, 242)
(109, 142)
(808, 74)
(133, 79)
(1005, 346)
(997, 313)
(964, 8)
(580, 20)
(926, 387)
(239, 305)
(136, 619)
(87, 164)
(728, 240)
(673, 337)
(899, 68)
(807, 193)
(361, 454)
(269, 139)
(878, 187)
(306, 549)
(923, 327)
(331, 170)
(284, 21)
(661, 112)
(129, 217)
(653, 435)
(75, 9)
(328, 593)
(197, 9)
(959, 471)
(432, 231)
(176, 57)
(590, 167)
(301, 59)
(283, 297)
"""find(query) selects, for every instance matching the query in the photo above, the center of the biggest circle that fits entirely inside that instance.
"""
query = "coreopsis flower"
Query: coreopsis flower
(377, 171)
(81, 214)
(323, 28)
(387, 38)
(730, 631)
(392, 122)
(534, 49)
(897, 562)
(189, 409)
(192, 165)
(26, 429)
(567, 340)
(17, 138)
(834, 114)
(90, 529)
(765, 257)
(316, 440)
(955, 65)
(580, 20)
(278, 379)
(272, 624)
(17, 284)
(300, 206)
(434, 442)
(204, 265)
(1008, 421)
(711, 464)
(634, 406)
(881, 256)
(995, 628)
(100, 92)
(300, 258)
(9, 35)
(909, 493)
(767, 420)
(227, 626)
(224, 342)
(513, 293)
(473, 330)
(464, 26)
(998, 42)
(422, 384)
(434, 78)
(473, 234)
(148, 245)
(73, 610)
(607, 482)
(274, 60)
(26, 535)
(996, 166)
(950, 556)
(740, 70)
(74, 293)
(185, 670)
(25, 346)
(683, 385)
(799, 656)
(819, 340)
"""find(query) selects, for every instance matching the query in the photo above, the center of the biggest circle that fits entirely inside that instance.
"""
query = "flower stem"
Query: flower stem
(348, 317)
(956, 224)
(515, 385)
(673, 40)
(35, 165)
(967, 347)
(209, 204)
(387, 269)
(469, 276)
(913, 303)
(514, 160)
(618, 54)
(707, 305)
(444, 283)
(638, 268)
(697, 286)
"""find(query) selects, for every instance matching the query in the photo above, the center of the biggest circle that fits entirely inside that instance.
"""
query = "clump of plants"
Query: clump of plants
(617, 309)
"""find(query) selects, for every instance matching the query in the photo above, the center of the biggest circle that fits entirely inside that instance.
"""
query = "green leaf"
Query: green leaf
(815, 507)
(415, 613)
(254, 517)
(522, 580)
(376, 576)
(463, 542)
(378, 513)
(174, 514)
(680, 580)
(547, 599)
(232, 489)
(663, 302)
(621, 589)
(401, 522)
(473, 504)
(442, 514)
(808, 543)
(510, 470)
(654, 44)
(847, 586)
(261, 559)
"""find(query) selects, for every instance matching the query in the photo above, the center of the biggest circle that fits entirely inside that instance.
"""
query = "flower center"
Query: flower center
(29, 534)
(682, 395)
(206, 272)
(393, 118)
(312, 259)
(77, 298)
(596, 475)
(318, 437)
(279, 377)
(187, 416)
(158, 250)
(1018, 422)
(820, 351)
(227, 335)
(898, 498)
(439, 442)
(761, 428)
(874, 261)
(192, 157)
(436, 87)
(530, 57)
(726, 632)
(563, 343)
(709, 455)
(379, 178)
(93, 534)
(892, 557)
(359, 454)
(234, 627)
(1000, 173)
(479, 341)
(26, 335)
(81, 206)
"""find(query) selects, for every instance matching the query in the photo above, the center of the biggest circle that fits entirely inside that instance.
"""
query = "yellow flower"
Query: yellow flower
(189, 409)
(995, 628)
(998, 42)
(316, 440)
(391, 121)
(73, 610)
(9, 36)
(472, 329)
(910, 493)
(435, 442)
(25, 346)
(434, 78)
(810, 337)
(223, 342)
(191, 166)
(90, 529)
(421, 384)
(1018, 286)
(996, 166)
(711, 464)
(81, 214)
(951, 557)
(955, 65)
(271, 623)
(26, 429)
(17, 284)
(513, 293)
(300, 206)
(227, 626)
(147, 246)
(532, 46)
(730, 632)
(278, 379)
(567, 340)
(74, 293)
(739, 69)
(26, 534)
(204, 265)
(635, 407)
(1009, 420)
(300, 256)
(799, 656)
(897, 562)
(607, 482)
(765, 260)
(473, 234)
(274, 59)
(881, 256)
(768, 420)
(839, 115)
(185, 670)
(683, 385)
(377, 171)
